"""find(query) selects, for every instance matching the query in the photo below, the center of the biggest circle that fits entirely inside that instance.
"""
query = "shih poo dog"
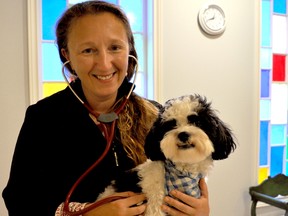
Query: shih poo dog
(181, 146)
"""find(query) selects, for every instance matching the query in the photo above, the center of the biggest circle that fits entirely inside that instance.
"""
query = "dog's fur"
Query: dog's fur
(189, 135)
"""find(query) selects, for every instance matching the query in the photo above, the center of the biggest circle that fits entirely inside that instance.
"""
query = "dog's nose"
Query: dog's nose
(183, 136)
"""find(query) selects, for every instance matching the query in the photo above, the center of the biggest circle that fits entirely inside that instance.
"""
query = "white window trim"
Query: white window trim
(34, 57)
(34, 51)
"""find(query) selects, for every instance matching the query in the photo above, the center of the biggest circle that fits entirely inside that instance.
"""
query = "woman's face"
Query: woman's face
(98, 51)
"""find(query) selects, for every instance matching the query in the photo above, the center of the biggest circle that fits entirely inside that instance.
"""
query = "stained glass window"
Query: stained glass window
(137, 12)
(273, 147)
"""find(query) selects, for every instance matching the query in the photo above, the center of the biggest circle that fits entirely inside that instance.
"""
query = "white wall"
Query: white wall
(14, 82)
(223, 69)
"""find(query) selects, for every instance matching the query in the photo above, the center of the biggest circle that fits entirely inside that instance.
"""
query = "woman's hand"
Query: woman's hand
(190, 206)
(129, 205)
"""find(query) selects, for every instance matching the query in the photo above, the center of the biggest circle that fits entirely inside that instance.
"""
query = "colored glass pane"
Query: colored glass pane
(278, 67)
(279, 6)
(51, 88)
(263, 174)
(279, 103)
(51, 11)
(134, 12)
(279, 38)
(263, 153)
(139, 45)
(51, 72)
(278, 134)
(276, 160)
(265, 83)
(287, 147)
(266, 24)
(140, 84)
(265, 107)
(266, 58)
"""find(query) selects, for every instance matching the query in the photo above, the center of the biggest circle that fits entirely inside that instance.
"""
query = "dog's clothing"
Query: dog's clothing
(181, 180)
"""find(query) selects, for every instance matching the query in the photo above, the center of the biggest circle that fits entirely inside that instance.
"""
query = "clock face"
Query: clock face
(212, 19)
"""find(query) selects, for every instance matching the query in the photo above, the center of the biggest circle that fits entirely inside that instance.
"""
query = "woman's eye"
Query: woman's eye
(115, 48)
(88, 51)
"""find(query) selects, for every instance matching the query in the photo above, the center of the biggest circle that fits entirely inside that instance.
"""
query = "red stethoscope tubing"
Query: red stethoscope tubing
(66, 210)
(109, 138)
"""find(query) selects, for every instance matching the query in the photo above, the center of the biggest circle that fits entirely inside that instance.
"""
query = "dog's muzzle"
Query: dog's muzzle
(184, 138)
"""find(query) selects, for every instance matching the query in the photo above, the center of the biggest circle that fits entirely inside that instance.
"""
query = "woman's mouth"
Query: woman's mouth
(104, 77)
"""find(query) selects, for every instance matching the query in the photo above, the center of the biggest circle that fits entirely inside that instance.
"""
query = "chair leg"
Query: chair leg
(253, 208)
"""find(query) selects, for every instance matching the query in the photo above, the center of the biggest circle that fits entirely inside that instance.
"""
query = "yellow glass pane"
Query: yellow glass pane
(262, 174)
(52, 87)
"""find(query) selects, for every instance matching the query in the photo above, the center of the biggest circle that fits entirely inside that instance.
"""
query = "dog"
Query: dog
(180, 147)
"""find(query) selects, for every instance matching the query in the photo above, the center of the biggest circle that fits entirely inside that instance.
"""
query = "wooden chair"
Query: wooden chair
(268, 192)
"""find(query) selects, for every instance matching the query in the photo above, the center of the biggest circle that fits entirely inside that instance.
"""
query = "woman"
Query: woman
(60, 138)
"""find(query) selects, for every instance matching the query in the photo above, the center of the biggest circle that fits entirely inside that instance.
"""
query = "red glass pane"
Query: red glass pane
(278, 67)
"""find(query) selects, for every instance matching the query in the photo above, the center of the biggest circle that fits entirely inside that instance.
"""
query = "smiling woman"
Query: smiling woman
(51, 80)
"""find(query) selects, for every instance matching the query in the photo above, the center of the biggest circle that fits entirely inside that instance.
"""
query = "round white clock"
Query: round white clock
(211, 19)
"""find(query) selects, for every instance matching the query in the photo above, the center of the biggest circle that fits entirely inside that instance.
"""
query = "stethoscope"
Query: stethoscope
(103, 119)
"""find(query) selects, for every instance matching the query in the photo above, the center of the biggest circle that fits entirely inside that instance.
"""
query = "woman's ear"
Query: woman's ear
(65, 54)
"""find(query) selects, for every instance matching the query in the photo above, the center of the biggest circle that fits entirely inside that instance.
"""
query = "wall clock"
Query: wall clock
(211, 19)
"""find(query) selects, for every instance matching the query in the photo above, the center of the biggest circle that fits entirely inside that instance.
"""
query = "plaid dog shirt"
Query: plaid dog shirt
(182, 181)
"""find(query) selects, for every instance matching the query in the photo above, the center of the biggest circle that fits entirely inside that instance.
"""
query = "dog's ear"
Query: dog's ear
(152, 142)
(223, 140)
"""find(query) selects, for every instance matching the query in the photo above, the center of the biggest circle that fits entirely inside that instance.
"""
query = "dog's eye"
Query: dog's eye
(169, 125)
(194, 119)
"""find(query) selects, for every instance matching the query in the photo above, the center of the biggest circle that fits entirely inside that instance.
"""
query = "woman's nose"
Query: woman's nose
(103, 60)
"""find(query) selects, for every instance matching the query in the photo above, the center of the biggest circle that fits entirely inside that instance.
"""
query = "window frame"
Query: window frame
(35, 58)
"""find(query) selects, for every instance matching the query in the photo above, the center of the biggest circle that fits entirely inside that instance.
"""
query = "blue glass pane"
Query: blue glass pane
(277, 161)
(263, 153)
(265, 110)
(278, 134)
(51, 10)
(134, 11)
(112, 1)
(279, 6)
(265, 83)
(140, 84)
(51, 65)
(266, 58)
(139, 46)
(266, 24)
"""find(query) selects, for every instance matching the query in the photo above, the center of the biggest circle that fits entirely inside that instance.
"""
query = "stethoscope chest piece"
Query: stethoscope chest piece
(107, 117)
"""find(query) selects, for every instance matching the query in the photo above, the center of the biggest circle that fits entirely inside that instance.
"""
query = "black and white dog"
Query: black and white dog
(181, 146)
